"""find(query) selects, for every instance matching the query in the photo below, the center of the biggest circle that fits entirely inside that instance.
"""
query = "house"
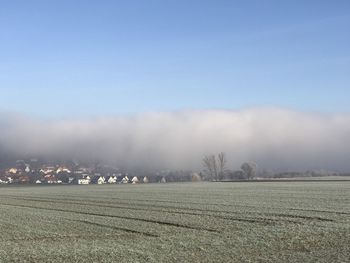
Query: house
(98, 180)
(9, 180)
(47, 170)
(85, 180)
(125, 180)
(27, 169)
(135, 180)
(13, 170)
(145, 180)
(38, 182)
(87, 177)
(63, 169)
(71, 179)
(3, 182)
(163, 180)
(101, 180)
(112, 179)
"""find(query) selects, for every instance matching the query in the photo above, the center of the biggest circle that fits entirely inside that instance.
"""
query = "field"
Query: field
(192, 222)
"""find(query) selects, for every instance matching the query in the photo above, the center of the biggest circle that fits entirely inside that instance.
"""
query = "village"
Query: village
(35, 172)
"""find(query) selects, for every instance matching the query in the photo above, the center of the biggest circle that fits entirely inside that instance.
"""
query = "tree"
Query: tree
(249, 168)
(222, 165)
(210, 165)
(215, 167)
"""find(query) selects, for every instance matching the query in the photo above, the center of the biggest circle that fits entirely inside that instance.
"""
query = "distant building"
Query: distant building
(85, 180)
(125, 180)
(112, 179)
(101, 180)
(134, 180)
(71, 179)
(10, 180)
(12, 170)
(47, 170)
(27, 169)
(63, 169)
(3, 182)
(145, 180)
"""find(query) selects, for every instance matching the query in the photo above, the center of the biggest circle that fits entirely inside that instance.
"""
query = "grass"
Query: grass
(198, 222)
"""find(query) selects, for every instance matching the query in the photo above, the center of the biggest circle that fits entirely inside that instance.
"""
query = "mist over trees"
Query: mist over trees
(210, 165)
(222, 165)
(249, 169)
(34, 171)
(215, 168)
(292, 141)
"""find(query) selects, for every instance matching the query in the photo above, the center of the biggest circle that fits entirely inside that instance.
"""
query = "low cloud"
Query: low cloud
(277, 139)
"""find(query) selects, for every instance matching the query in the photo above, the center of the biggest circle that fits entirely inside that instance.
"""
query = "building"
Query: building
(112, 179)
(135, 180)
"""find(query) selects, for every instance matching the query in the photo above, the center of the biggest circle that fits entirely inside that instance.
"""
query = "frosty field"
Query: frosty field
(194, 222)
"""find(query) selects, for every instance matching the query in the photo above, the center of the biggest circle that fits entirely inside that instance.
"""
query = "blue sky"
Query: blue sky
(83, 58)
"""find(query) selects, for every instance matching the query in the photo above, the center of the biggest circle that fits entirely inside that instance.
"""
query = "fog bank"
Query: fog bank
(276, 139)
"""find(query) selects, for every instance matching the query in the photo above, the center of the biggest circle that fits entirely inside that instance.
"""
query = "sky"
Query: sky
(159, 84)
(97, 58)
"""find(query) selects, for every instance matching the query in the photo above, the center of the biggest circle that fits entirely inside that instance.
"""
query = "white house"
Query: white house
(47, 170)
(63, 169)
(83, 181)
(101, 180)
(112, 179)
(163, 180)
(125, 180)
(145, 180)
(9, 180)
(134, 180)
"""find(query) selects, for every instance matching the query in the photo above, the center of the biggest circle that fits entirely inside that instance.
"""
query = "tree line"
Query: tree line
(215, 168)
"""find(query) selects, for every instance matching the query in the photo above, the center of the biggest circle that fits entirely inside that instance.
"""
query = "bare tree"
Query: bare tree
(250, 169)
(214, 166)
(210, 165)
(222, 165)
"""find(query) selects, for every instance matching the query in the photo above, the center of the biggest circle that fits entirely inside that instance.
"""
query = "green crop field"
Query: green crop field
(192, 222)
